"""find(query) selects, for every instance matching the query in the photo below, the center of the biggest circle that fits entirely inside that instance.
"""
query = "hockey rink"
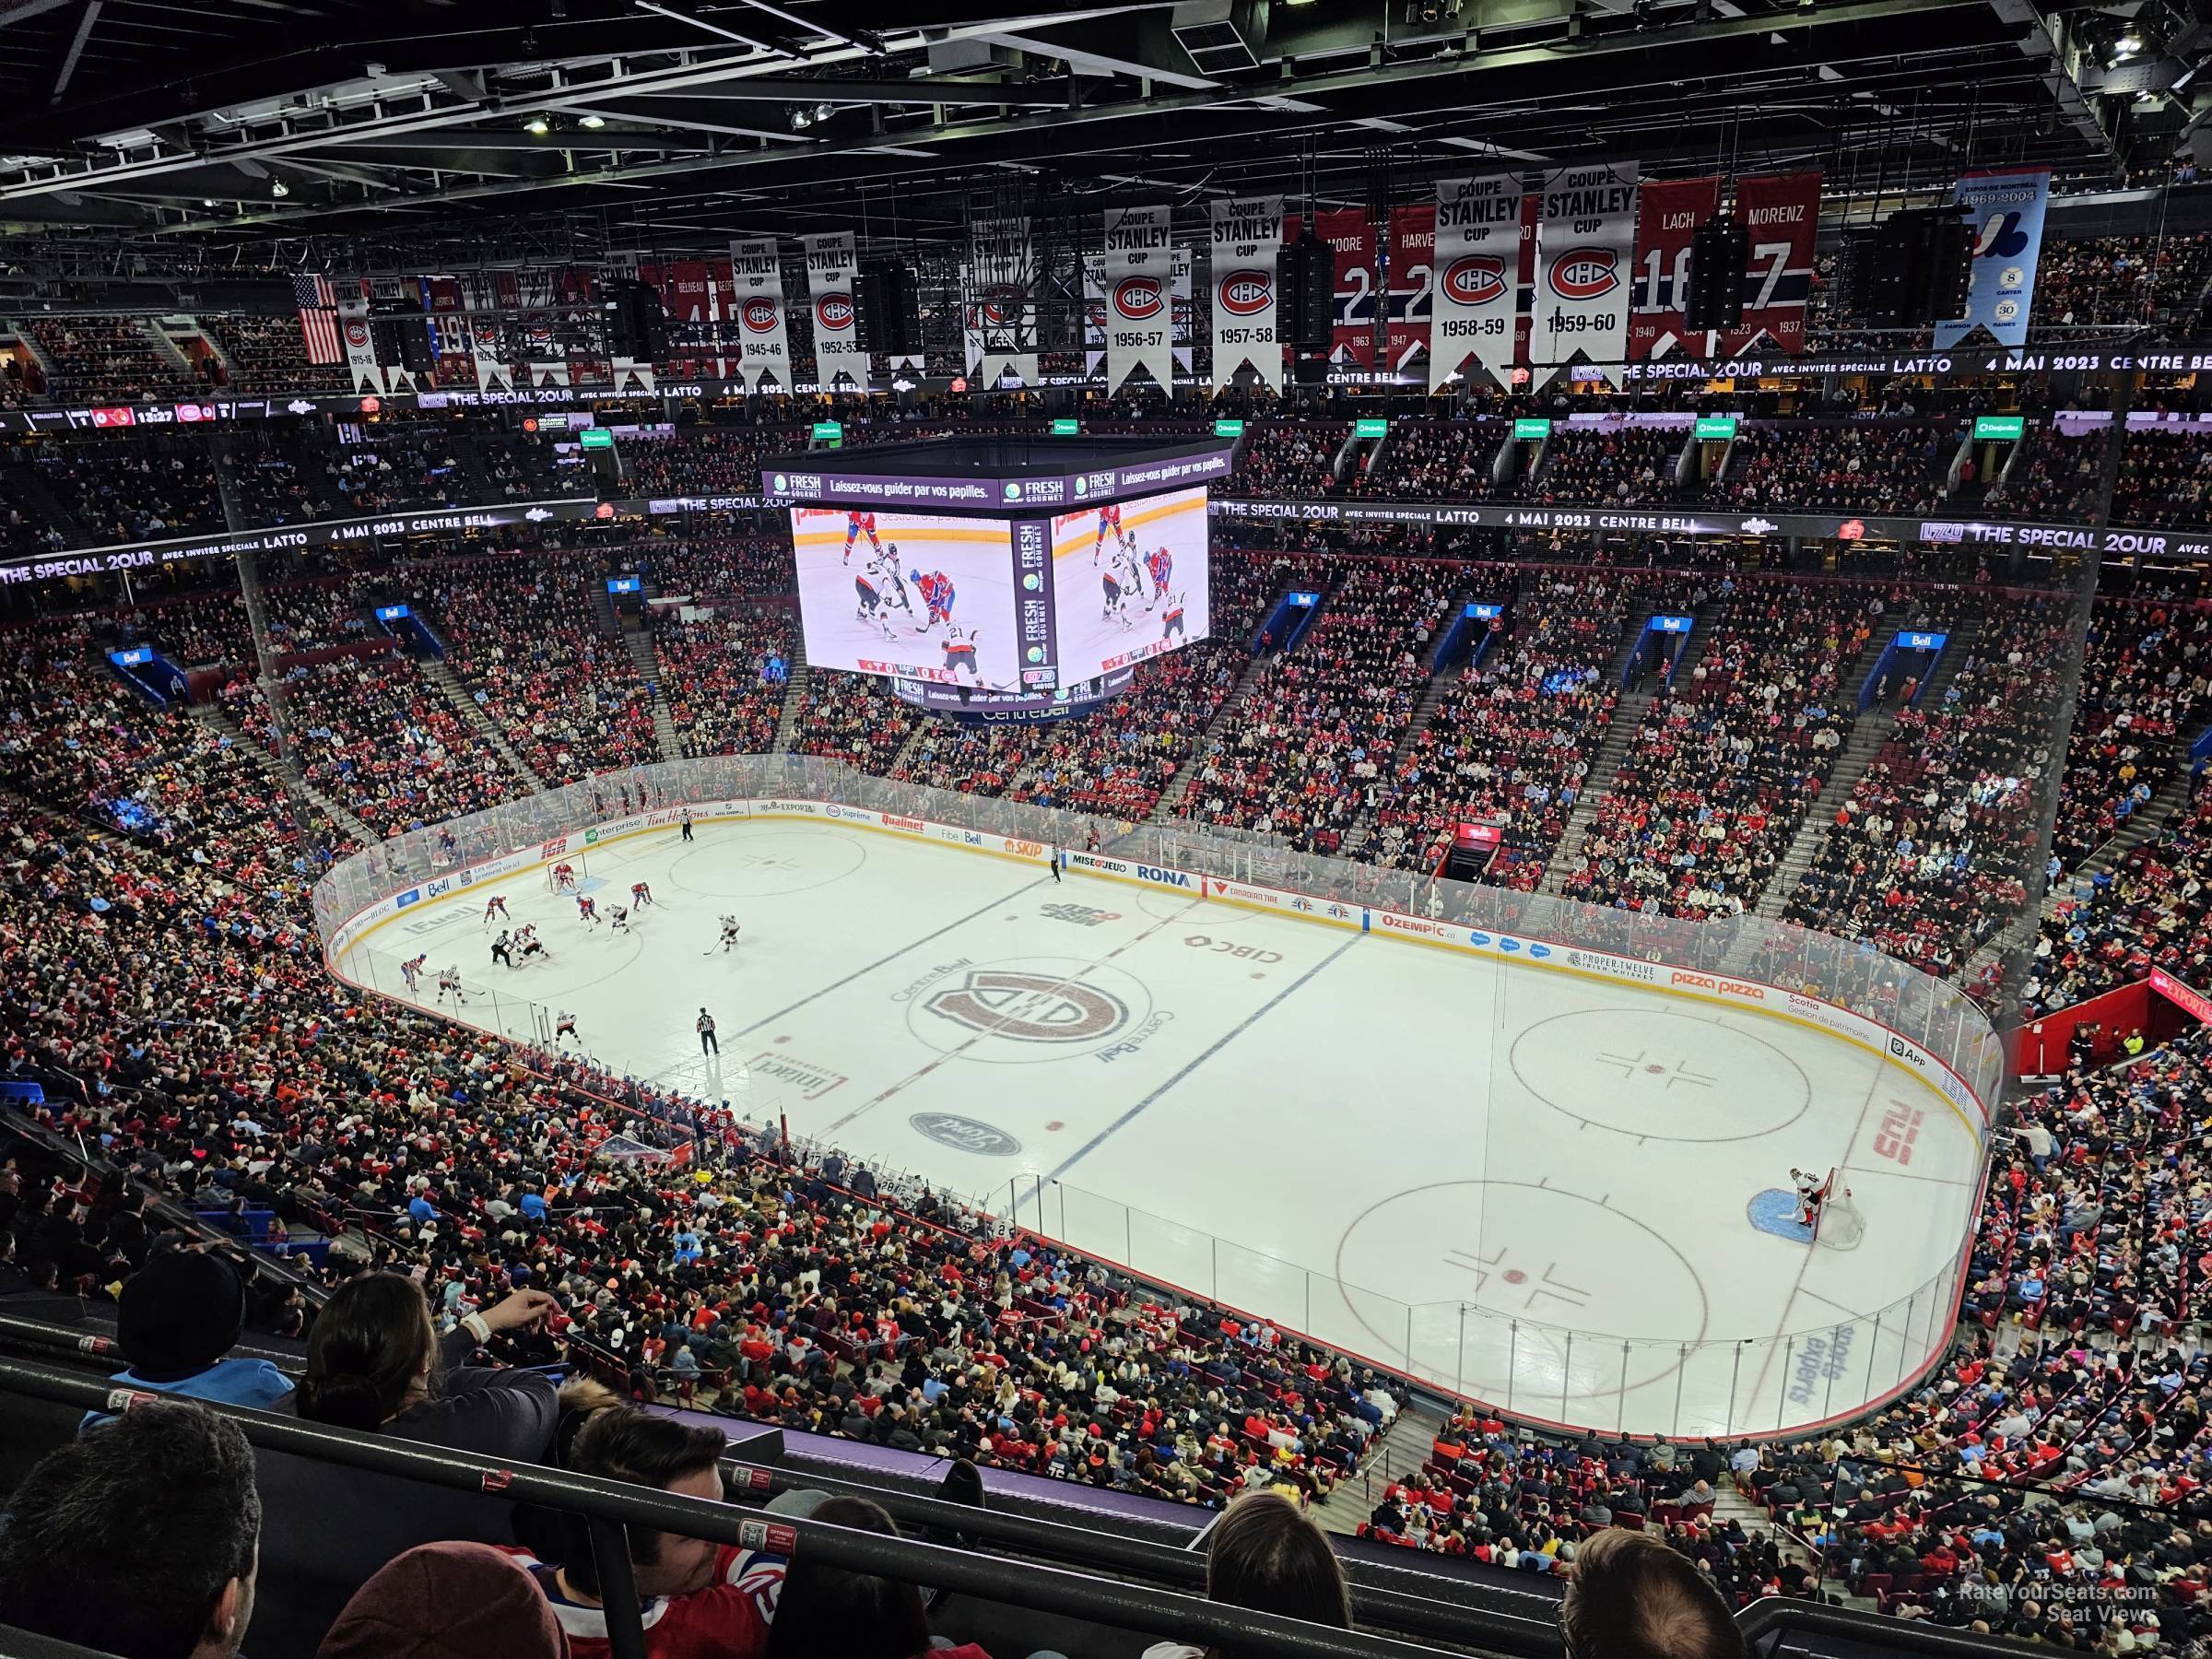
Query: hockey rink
(1542, 1190)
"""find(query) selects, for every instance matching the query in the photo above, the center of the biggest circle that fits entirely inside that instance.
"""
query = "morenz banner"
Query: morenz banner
(1475, 265)
(2006, 215)
(1780, 213)
(1667, 216)
(832, 266)
(756, 302)
(1248, 235)
(1585, 241)
(1137, 273)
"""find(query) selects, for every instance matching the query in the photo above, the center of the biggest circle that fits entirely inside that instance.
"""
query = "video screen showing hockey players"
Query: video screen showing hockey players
(907, 593)
(1129, 581)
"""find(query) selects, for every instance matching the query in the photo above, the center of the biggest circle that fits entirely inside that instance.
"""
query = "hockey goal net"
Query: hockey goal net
(1840, 1224)
(572, 864)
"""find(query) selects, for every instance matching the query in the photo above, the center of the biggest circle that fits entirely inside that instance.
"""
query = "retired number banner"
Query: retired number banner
(832, 268)
(1667, 218)
(1248, 234)
(1475, 261)
(1780, 213)
(1584, 244)
(756, 301)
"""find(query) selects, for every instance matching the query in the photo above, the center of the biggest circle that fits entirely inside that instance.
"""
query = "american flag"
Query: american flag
(318, 318)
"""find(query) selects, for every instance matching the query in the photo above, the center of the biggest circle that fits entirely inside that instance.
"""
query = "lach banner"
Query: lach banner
(1780, 213)
(833, 267)
(1137, 273)
(1475, 262)
(1667, 216)
(2006, 211)
(1584, 243)
(756, 302)
(1248, 234)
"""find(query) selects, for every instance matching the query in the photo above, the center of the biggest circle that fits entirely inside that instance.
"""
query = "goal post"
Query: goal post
(1840, 1224)
(574, 861)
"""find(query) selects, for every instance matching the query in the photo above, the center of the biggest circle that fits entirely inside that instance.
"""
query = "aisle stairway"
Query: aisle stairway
(1439, 683)
(213, 717)
(1171, 799)
(795, 694)
(1398, 1451)
(447, 681)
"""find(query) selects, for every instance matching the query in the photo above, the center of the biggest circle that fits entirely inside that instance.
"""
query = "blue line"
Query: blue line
(1096, 1141)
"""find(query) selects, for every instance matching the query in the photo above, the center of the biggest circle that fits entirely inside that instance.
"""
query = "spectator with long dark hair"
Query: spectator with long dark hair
(1266, 1554)
(826, 1609)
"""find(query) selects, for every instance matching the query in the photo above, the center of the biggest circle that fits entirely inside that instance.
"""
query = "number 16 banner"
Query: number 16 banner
(1474, 263)
(1585, 243)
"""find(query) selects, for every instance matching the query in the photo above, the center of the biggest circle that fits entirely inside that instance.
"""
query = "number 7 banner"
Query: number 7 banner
(1667, 216)
(1781, 212)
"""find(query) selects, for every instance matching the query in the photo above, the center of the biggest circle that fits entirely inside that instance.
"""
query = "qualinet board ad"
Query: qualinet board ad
(1129, 581)
(912, 594)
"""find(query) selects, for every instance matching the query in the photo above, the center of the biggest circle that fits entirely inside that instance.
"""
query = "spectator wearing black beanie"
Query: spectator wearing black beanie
(176, 1321)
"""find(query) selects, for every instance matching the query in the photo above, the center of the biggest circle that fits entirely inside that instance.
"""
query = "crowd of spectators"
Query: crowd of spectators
(2054, 478)
(1729, 757)
(2121, 281)
(1289, 460)
(397, 468)
(1436, 460)
(2146, 673)
(853, 718)
(268, 353)
(524, 467)
(1625, 467)
(705, 461)
(110, 359)
(1886, 467)
(124, 489)
(2164, 479)
(724, 677)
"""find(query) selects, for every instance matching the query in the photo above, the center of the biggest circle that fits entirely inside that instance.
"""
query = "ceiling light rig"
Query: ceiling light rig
(539, 126)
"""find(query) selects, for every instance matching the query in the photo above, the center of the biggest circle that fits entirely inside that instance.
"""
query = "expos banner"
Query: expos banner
(1475, 261)
(1248, 233)
(832, 266)
(2006, 211)
(756, 301)
(1667, 218)
(1780, 213)
(1138, 276)
(999, 285)
(1585, 240)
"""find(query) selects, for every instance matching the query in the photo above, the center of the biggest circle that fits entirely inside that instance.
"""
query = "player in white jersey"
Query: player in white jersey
(526, 942)
(729, 932)
(1809, 1196)
(565, 1027)
(618, 917)
(449, 978)
(959, 653)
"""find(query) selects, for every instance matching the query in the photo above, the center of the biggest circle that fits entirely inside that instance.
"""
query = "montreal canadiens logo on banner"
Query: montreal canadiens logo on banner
(1001, 306)
(357, 334)
(1585, 274)
(1138, 298)
(1246, 293)
(760, 314)
(1477, 279)
(834, 312)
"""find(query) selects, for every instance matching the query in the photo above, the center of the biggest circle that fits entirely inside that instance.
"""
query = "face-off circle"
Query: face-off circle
(761, 865)
(1660, 1075)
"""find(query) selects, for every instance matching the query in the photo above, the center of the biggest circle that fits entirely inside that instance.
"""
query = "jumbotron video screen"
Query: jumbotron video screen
(1129, 581)
(909, 595)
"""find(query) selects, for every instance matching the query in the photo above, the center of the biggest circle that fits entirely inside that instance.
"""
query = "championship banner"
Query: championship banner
(998, 297)
(1094, 310)
(1412, 283)
(756, 301)
(833, 270)
(1585, 241)
(1780, 213)
(1351, 238)
(361, 367)
(1524, 291)
(1477, 260)
(484, 348)
(1138, 274)
(2006, 211)
(1667, 216)
(633, 375)
(1248, 235)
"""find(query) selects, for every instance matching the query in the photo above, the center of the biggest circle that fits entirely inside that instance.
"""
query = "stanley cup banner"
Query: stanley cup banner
(1094, 311)
(756, 302)
(832, 268)
(492, 372)
(360, 355)
(1248, 234)
(1781, 214)
(1137, 273)
(1476, 262)
(1586, 245)
(1667, 218)
(2006, 213)
(1000, 284)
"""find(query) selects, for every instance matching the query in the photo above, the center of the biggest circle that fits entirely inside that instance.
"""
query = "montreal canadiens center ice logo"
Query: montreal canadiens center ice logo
(1585, 274)
(759, 316)
(1138, 298)
(1246, 293)
(1476, 280)
(1030, 1007)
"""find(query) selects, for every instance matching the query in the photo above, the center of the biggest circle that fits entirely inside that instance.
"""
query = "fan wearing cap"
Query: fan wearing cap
(177, 1318)
(448, 1601)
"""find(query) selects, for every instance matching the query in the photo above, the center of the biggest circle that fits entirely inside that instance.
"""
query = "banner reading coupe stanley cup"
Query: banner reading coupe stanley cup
(1476, 260)
(1138, 276)
(2006, 221)
(832, 268)
(1585, 241)
(1248, 233)
(756, 301)
(1000, 280)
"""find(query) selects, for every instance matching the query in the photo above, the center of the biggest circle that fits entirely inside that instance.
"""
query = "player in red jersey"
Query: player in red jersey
(858, 524)
(587, 909)
(640, 894)
(497, 902)
(936, 592)
(1160, 566)
(1109, 518)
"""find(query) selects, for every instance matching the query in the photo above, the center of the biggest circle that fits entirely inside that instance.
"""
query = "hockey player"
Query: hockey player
(502, 948)
(587, 909)
(449, 978)
(564, 876)
(959, 654)
(496, 904)
(729, 932)
(565, 1027)
(527, 945)
(1160, 564)
(619, 919)
(1170, 625)
(858, 524)
(1109, 521)
(936, 594)
(1809, 1195)
(411, 971)
(640, 894)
